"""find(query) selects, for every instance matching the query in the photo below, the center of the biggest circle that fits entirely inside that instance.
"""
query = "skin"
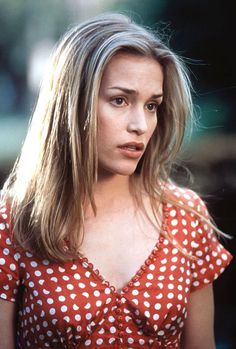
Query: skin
(130, 92)
(7, 324)
(199, 327)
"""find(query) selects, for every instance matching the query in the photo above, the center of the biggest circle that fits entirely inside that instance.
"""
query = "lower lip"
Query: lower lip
(132, 154)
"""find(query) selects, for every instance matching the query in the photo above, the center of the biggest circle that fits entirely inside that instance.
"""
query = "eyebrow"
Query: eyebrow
(130, 91)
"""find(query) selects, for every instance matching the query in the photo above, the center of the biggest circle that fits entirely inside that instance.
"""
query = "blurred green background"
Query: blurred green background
(201, 31)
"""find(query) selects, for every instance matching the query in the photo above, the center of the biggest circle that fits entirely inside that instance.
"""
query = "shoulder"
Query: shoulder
(5, 220)
(185, 197)
(187, 219)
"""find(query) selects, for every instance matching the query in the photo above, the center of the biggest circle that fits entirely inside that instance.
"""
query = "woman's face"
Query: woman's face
(130, 93)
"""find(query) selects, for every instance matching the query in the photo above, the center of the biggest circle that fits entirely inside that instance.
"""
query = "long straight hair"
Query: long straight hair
(54, 176)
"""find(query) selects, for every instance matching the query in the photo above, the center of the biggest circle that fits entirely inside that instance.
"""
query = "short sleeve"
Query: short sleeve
(9, 270)
(211, 257)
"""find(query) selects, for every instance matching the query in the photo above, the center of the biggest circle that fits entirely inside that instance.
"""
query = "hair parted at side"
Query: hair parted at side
(53, 177)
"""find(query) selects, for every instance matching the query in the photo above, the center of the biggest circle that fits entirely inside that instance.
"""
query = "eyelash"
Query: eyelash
(115, 100)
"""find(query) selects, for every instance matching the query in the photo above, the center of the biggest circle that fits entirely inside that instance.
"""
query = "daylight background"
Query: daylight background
(203, 32)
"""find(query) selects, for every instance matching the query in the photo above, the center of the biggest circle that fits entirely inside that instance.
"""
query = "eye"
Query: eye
(119, 101)
(152, 107)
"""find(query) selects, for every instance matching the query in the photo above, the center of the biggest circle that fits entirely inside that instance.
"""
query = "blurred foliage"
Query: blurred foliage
(24, 22)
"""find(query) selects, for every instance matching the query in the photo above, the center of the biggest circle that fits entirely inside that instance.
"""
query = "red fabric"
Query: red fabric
(72, 306)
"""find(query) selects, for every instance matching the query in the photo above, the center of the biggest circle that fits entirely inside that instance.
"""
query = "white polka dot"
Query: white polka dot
(224, 256)
(52, 311)
(49, 271)
(6, 251)
(88, 342)
(170, 295)
(64, 308)
(98, 303)
(156, 317)
(88, 316)
(174, 222)
(50, 301)
(160, 333)
(12, 267)
(2, 261)
(162, 269)
(70, 287)
(77, 317)
(33, 264)
(65, 277)
(111, 318)
(218, 261)
(112, 329)
(135, 292)
(157, 306)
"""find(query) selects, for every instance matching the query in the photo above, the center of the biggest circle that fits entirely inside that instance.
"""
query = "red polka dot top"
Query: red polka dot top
(72, 306)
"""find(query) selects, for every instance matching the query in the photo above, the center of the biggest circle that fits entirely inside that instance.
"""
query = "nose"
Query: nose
(137, 121)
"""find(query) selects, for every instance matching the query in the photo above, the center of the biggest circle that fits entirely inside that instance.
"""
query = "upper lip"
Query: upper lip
(137, 145)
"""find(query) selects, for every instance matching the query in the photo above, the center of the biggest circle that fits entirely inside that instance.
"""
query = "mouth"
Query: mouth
(133, 146)
(132, 150)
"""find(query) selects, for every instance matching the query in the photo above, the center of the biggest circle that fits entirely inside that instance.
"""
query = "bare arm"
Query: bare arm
(199, 326)
(7, 325)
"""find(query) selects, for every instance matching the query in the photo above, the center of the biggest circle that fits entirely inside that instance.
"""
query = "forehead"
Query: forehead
(133, 69)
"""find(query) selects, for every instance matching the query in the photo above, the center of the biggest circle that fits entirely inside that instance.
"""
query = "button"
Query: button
(165, 208)
(148, 261)
(121, 334)
(118, 311)
(119, 318)
(118, 302)
(130, 284)
(140, 272)
(126, 289)
(144, 267)
(112, 288)
(135, 278)
(120, 326)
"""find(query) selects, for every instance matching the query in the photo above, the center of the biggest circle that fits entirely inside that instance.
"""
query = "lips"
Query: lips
(132, 150)
(133, 146)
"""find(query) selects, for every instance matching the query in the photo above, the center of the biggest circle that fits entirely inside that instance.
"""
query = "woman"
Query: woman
(99, 248)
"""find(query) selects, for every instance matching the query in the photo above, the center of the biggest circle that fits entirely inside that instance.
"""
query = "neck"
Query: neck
(111, 190)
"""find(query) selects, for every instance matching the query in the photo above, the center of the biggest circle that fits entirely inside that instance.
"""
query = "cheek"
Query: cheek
(152, 127)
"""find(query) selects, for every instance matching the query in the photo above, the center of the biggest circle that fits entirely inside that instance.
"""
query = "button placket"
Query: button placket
(119, 318)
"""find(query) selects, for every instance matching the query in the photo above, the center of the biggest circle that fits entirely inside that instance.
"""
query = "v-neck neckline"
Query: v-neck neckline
(141, 270)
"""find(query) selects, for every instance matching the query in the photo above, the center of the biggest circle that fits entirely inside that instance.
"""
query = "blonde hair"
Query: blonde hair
(54, 176)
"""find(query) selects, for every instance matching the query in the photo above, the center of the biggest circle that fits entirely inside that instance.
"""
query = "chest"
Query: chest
(118, 245)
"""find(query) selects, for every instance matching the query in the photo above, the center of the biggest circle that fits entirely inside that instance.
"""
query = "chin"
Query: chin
(121, 171)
